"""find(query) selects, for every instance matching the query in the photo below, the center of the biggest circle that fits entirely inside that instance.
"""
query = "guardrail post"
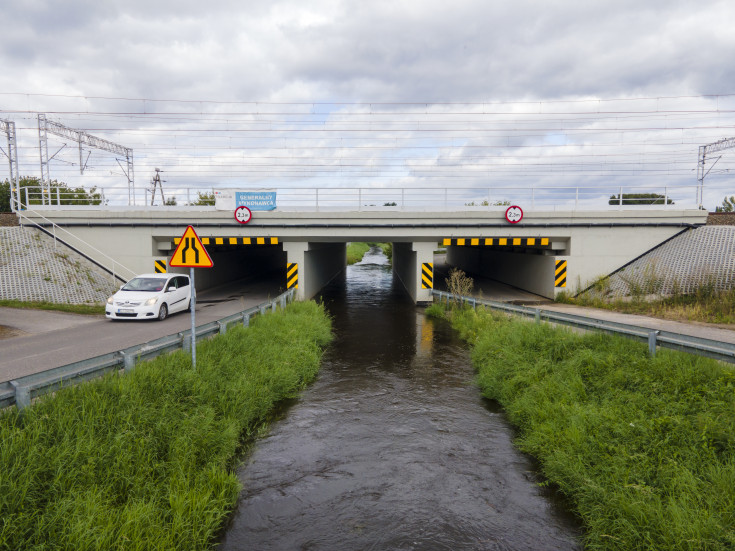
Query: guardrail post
(274, 306)
(262, 310)
(652, 337)
(128, 361)
(22, 395)
(537, 315)
(222, 327)
(185, 342)
(245, 320)
(283, 302)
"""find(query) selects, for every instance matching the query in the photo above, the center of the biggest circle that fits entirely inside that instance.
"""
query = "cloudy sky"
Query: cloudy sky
(386, 94)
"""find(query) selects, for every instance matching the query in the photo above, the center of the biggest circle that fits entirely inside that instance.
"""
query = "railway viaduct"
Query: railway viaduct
(545, 253)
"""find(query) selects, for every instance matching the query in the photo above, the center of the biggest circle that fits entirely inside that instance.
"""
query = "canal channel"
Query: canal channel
(393, 446)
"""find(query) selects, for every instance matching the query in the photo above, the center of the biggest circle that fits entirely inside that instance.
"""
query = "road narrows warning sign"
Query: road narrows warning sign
(190, 252)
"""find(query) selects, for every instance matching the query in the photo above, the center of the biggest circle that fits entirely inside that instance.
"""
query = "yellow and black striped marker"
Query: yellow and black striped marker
(160, 266)
(497, 242)
(560, 274)
(427, 275)
(235, 240)
(292, 276)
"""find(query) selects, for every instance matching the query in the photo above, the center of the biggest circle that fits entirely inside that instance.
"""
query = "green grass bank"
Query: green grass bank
(706, 304)
(643, 447)
(146, 460)
(355, 251)
(87, 309)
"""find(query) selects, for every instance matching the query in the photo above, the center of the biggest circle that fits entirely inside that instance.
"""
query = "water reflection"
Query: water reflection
(392, 447)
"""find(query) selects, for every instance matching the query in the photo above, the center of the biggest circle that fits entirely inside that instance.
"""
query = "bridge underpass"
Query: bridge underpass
(545, 253)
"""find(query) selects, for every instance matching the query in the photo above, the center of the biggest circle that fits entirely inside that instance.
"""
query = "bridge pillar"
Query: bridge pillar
(408, 259)
(317, 264)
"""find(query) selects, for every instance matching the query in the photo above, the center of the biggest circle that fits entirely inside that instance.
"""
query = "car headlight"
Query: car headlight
(109, 300)
(151, 301)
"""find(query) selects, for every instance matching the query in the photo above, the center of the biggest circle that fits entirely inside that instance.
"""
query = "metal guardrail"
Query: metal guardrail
(686, 343)
(22, 390)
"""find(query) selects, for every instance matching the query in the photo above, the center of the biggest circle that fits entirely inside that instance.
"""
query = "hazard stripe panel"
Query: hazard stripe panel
(496, 241)
(235, 240)
(292, 276)
(427, 275)
(160, 266)
(560, 274)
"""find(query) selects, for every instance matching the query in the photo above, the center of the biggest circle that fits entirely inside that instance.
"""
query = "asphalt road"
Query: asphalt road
(36, 340)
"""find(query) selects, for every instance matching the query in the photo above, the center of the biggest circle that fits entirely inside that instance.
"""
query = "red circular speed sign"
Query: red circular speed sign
(243, 215)
(514, 214)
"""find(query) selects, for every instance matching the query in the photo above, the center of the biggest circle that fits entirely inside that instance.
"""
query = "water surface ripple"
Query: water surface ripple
(392, 447)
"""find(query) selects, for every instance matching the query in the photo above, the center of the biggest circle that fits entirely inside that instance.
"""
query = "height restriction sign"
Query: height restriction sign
(190, 253)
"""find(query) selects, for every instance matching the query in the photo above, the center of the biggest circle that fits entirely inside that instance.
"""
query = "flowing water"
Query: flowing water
(392, 447)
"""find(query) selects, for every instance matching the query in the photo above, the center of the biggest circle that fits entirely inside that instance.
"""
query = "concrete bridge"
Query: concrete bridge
(545, 253)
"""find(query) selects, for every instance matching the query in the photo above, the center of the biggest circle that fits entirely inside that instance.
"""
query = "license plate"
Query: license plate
(125, 311)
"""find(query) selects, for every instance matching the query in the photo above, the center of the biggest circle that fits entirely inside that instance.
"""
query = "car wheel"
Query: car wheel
(163, 312)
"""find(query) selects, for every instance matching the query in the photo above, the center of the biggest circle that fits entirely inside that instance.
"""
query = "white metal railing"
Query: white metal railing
(115, 268)
(406, 198)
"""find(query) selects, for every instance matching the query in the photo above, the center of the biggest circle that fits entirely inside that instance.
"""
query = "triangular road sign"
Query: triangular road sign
(190, 253)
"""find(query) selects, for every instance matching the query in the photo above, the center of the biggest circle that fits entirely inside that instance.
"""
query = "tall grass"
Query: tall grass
(643, 447)
(703, 304)
(145, 460)
(355, 252)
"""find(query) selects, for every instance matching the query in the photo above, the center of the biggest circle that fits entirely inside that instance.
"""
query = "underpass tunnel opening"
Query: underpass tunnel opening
(237, 267)
(312, 265)
(535, 265)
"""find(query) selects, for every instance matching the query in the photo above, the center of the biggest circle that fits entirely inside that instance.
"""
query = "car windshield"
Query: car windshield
(152, 284)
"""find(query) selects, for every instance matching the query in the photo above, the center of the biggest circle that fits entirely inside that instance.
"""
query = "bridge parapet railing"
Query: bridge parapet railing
(604, 197)
(711, 348)
(22, 390)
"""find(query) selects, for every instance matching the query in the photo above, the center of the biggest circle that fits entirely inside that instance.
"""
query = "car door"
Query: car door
(184, 288)
(172, 296)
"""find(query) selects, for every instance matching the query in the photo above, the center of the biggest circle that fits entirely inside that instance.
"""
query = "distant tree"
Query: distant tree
(391, 204)
(728, 205)
(171, 201)
(5, 196)
(204, 198)
(486, 203)
(61, 193)
(640, 199)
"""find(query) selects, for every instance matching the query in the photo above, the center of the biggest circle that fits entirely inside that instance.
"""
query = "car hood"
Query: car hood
(134, 296)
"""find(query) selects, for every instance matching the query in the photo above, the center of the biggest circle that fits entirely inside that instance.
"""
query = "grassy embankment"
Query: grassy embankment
(89, 309)
(643, 447)
(355, 251)
(145, 460)
(704, 303)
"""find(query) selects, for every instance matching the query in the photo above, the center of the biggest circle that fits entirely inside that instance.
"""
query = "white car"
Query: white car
(150, 296)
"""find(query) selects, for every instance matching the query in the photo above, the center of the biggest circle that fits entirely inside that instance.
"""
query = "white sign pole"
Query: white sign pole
(193, 321)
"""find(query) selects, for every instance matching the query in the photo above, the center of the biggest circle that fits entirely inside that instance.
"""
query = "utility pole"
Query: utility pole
(721, 145)
(157, 183)
(12, 155)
